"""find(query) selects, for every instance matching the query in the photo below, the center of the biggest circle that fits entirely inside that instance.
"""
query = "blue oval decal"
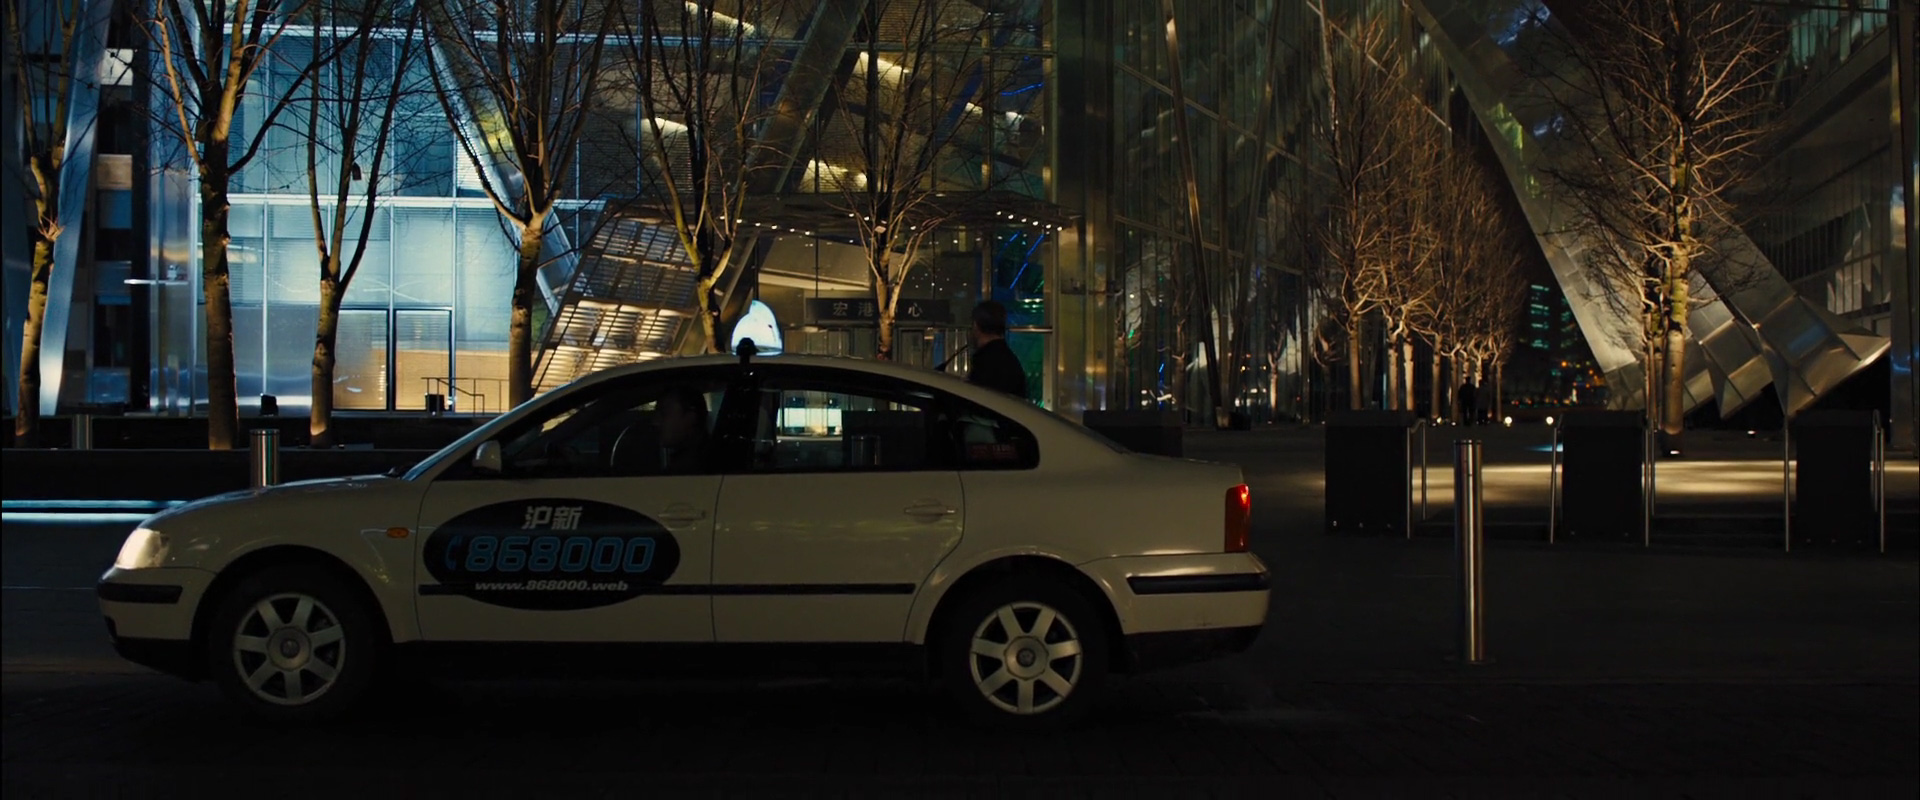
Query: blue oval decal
(551, 554)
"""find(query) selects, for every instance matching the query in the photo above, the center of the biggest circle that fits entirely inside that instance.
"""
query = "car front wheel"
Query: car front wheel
(1025, 653)
(292, 643)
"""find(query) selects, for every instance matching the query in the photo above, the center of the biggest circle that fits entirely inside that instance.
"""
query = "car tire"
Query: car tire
(293, 644)
(1011, 648)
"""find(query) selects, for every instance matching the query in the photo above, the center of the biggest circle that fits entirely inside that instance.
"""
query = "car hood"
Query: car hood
(210, 529)
(318, 486)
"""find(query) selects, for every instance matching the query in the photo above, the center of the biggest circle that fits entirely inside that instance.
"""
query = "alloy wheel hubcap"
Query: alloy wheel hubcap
(1025, 658)
(289, 649)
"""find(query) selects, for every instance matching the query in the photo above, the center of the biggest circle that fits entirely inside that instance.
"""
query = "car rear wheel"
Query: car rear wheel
(292, 643)
(1025, 654)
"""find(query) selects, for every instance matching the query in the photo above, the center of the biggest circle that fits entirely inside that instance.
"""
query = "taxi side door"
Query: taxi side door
(572, 525)
(848, 502)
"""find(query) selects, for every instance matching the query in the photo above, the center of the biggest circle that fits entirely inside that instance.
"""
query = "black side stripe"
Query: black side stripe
(735, 590)
(1199, 584)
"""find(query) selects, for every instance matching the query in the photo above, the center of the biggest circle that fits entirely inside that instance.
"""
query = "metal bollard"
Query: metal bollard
(264, 458)
(1553, 487)
(1469, 534)
(1786, 484)
(1880, 479)
(83, 431)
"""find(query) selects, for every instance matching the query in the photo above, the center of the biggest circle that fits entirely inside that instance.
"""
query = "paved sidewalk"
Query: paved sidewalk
(1618, 671)
(1181, 735)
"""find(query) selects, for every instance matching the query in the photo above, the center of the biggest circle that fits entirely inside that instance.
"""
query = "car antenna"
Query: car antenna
(745, 350)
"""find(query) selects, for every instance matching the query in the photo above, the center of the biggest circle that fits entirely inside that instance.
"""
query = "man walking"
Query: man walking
(995, 366)
(1469, 403)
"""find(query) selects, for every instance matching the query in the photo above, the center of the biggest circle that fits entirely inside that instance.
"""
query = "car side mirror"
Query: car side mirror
(487, 459)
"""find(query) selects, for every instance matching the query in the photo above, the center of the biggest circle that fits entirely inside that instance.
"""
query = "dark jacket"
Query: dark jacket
(996, 367)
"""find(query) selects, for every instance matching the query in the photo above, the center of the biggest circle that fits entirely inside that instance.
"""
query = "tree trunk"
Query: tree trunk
(1499, 391)
(1674, 404)
(326, 334)
(1433, 389)
(223, 392)
(706, 299)
(1273, 389)
(1406, 375)
(1355, 400)
(884, 295)
(526, 292)
(26, 419)
(1393, 374)
(712, 255)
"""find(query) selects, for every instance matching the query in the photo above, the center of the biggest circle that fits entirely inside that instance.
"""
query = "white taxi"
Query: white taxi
(712, 516)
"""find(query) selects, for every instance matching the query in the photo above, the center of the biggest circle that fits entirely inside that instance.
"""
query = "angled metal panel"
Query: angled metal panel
(629, 296)
(76, 182)
(630, 299)
(1803, 349)
(1489, 78)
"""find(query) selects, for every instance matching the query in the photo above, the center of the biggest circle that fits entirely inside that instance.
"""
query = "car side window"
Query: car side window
(985, 440)
(649, 426)
(826, 423)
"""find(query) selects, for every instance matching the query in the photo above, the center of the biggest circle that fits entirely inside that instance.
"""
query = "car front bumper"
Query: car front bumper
(149, 615)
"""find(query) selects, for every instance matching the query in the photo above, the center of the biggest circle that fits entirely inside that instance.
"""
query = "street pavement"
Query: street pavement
(1663, 671)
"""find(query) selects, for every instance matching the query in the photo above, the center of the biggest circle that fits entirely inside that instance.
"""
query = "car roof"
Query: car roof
(943, 380)
(1018, 409)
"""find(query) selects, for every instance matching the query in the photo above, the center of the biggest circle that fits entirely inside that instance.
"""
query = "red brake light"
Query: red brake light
(1239, 518)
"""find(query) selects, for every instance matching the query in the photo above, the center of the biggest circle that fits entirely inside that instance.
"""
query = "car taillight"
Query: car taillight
(1239, 518)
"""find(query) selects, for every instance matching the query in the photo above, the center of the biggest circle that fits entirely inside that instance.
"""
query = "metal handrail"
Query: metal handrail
(456, 391)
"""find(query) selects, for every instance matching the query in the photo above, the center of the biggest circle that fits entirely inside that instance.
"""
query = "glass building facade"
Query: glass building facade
(1127, 155)
(1086, 149)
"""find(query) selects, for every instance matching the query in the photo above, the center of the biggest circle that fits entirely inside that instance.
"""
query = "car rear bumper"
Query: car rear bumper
(1151, 651)
(1193, 594)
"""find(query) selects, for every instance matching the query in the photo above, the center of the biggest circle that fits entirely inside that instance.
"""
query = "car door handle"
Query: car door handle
(930, 508)
(682, 513)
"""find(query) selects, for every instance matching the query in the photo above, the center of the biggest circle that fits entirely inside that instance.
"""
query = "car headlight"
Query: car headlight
(144, 548)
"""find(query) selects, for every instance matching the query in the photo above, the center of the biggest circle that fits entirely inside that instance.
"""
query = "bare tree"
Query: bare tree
(531, 71)
(1493, 319)
(210, 53)
(700, 75)
(916, 129)
(1474, 252)
(356, 97)
(1411, 280)
(42, 48)
(1663, 104)
(1356, 226)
